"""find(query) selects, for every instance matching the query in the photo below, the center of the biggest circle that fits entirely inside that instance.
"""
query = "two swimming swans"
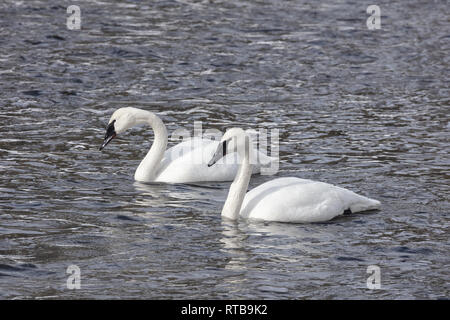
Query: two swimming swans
(182, 163)
(283, 199)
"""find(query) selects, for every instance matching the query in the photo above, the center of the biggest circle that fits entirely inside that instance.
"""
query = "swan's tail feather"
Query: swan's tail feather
(365, 204)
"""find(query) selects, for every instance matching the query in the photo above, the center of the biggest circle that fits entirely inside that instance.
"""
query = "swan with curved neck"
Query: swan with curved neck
(283, 199)
(181, 163)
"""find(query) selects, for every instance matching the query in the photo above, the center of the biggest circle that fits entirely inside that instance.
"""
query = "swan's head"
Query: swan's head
(121, 120)
(234, 140)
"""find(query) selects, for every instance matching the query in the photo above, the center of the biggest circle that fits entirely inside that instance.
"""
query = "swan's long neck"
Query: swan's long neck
(238, 188)
(148, 167)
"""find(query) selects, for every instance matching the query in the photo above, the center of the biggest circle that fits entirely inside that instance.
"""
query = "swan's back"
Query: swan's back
(301, 200)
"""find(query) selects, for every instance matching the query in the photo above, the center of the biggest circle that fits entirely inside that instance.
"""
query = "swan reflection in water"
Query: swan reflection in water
(283, 242)
(265, 254)
(188, 197)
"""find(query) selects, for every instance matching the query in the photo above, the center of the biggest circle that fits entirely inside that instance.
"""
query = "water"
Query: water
(366, 110)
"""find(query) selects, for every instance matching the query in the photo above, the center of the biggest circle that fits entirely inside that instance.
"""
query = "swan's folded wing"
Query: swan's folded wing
(300, 200)
(187, 162)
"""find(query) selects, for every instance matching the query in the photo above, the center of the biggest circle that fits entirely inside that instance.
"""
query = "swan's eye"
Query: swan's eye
(221, 151)
(224, 148)
(110, 134)
(110, 130)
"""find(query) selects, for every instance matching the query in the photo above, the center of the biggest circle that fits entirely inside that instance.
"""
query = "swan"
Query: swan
(182, 163)
(287, 199)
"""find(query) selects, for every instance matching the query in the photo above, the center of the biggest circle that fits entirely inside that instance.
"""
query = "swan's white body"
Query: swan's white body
(300, 200)
(286, 199)
(186, 162)
(182, 163)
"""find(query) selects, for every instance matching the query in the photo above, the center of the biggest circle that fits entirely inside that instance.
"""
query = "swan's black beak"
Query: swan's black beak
(220, 152)
(110, 134)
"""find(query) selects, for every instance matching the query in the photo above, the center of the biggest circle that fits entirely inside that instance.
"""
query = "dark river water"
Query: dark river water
(364, 109)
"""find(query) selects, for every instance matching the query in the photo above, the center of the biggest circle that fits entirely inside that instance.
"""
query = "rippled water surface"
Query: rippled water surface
(366, 110)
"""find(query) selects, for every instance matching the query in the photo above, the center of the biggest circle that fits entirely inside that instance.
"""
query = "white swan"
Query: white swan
(284, 199)
(182, 163)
